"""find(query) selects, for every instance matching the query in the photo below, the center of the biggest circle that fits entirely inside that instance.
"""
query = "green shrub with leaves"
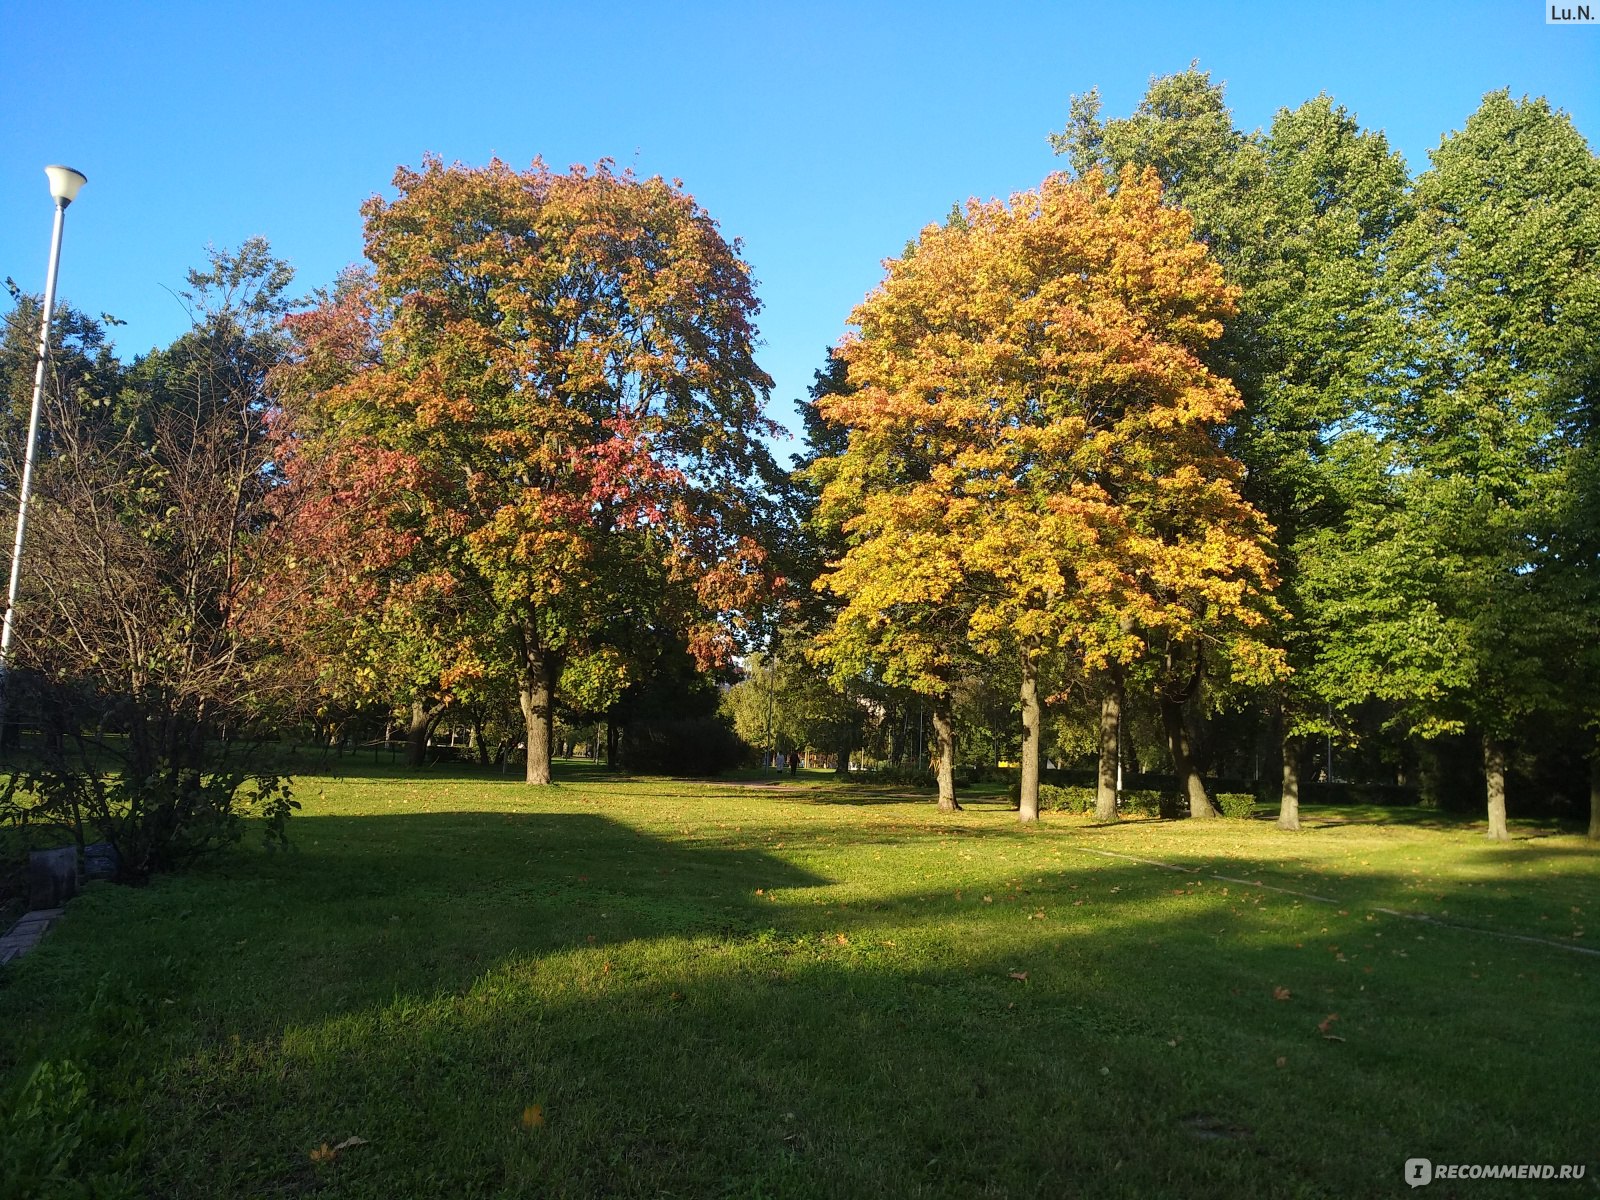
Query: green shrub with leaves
(1240, 806)
(1056, 798)
(159, 822)
(898, 775)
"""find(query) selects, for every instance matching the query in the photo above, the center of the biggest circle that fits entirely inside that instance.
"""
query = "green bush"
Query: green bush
(1240, 806)
(161, 821)
(1141, 802)
(1056, 798)
(897, 776)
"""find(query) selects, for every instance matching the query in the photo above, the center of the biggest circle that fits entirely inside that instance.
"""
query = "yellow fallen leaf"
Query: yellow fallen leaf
(533, 1117)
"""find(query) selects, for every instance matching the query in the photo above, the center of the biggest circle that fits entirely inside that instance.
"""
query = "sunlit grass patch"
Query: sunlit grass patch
(713, 989)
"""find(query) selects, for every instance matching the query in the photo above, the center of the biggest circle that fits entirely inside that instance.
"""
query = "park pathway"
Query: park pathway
(25, 934)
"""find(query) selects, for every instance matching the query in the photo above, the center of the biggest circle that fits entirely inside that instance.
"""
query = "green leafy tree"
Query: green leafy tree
(142, 626)
(1453, 599)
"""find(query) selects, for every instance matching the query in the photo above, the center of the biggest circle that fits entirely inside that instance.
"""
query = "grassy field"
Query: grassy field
(658, 988)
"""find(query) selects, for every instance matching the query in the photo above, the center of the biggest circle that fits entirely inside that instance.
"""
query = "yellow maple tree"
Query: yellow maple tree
(1033, 465)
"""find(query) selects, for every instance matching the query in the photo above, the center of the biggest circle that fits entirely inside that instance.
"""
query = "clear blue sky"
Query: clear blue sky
(823, 135)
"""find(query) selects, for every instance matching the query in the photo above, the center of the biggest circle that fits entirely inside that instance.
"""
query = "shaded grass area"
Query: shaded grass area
(649, 987)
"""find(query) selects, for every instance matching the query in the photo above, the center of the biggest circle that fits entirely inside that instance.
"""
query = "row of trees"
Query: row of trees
(1332, 463)
(1216, 438)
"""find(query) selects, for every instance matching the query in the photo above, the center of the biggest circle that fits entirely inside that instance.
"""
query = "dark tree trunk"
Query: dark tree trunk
(1178, 747)
(538, 712)
(1105, 792)
(1032, 721)
(1494, 781)
(944, 737)
(417, 730)
(612, 739)
(1289, 801)
(1594, 795)
(842, 767)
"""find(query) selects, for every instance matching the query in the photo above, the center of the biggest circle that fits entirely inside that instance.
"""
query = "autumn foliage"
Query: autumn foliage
(550, 377)
(1033, 465)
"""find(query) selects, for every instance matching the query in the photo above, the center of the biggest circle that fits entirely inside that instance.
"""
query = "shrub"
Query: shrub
(1240, 806)
(1056, 798)
(898, 775)
(159, 822)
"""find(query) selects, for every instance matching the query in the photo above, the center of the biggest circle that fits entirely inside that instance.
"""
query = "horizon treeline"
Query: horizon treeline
(1242, 457)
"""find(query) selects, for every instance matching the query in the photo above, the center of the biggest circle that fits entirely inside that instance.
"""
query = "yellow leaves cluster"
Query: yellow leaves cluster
(1033, 455)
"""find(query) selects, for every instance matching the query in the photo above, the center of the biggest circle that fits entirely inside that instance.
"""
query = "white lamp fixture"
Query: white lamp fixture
(64, 184)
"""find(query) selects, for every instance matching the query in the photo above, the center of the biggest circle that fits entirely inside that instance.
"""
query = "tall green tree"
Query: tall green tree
(1456, 587)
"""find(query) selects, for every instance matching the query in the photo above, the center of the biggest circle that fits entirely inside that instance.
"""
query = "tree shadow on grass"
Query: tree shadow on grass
(558, 1004)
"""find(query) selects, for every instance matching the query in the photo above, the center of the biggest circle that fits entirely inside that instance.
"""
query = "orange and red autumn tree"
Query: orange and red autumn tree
(1032, 466)
(564, 367)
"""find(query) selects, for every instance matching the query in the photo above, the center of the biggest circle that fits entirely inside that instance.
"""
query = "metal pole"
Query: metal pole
(26, 490)
(1119, 754)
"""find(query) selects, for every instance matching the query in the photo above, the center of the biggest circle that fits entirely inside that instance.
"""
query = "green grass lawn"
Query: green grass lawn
(659, 988)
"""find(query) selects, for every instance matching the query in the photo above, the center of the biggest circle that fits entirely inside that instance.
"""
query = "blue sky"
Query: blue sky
(822, 135)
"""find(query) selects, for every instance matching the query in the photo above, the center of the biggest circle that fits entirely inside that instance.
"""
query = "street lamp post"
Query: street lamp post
(64, 185)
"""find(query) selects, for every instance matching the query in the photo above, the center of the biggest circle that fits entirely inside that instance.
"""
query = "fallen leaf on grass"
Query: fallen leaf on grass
(349, 1142)
(533, 1117)
(322, 1154)
(1282, 1061)
(1280, 993)
(1020, 976)
(1326, 1024)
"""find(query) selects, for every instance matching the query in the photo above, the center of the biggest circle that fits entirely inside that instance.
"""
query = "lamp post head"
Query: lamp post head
(64, 184)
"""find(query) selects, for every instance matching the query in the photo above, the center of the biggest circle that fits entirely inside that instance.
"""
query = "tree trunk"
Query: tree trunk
(1031, 729)
(1105, 792)
(417, 730)
(1494, 780)
(1182, 760)
(842, 767)
(538, 713)
(944, 736)
(1594, 795)
(1289, 802)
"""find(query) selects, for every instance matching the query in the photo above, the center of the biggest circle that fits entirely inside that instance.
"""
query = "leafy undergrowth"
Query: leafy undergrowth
(458, 986)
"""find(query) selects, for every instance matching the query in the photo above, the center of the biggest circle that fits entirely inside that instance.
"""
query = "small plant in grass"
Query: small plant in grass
(71, 1129)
